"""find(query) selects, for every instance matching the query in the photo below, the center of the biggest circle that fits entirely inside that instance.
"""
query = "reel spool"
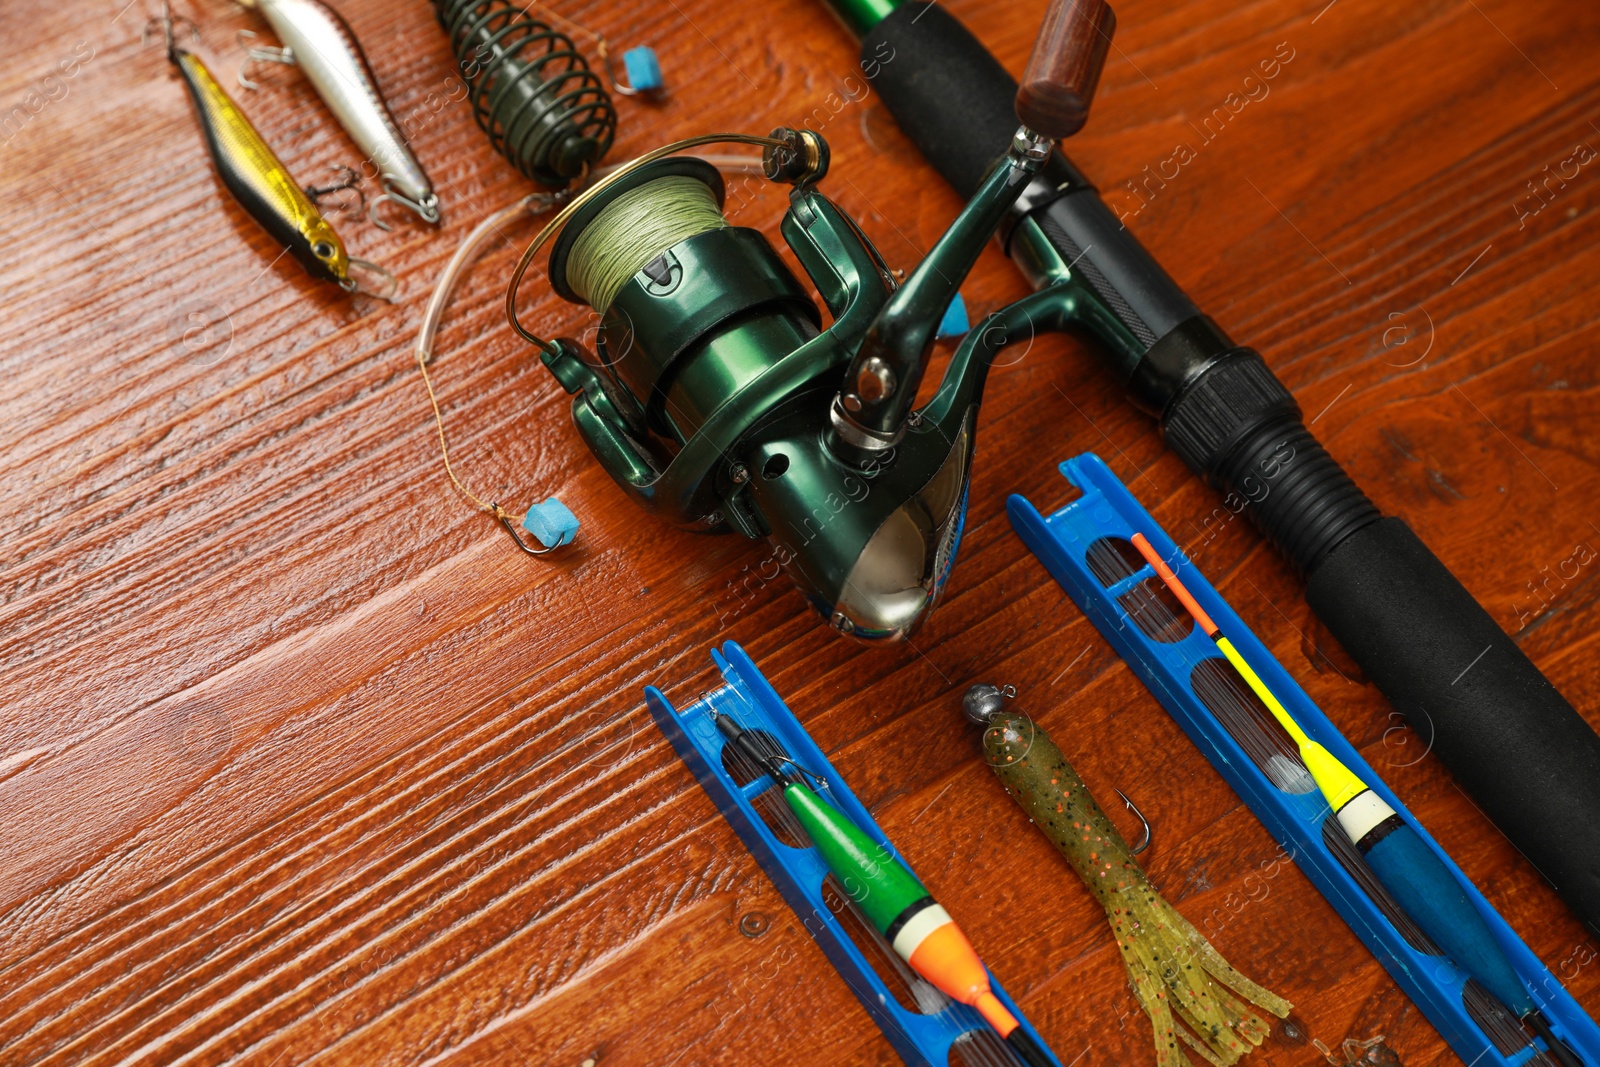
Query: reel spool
(531, 91)
(692, 309)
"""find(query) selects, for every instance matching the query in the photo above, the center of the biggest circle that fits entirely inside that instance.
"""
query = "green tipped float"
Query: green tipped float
(894, 901)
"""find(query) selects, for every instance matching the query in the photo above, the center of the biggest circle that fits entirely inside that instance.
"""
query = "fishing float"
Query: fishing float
(898, 905)
(1413, 874)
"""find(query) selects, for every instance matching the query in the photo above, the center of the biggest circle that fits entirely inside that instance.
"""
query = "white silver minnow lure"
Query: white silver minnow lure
(322, 44)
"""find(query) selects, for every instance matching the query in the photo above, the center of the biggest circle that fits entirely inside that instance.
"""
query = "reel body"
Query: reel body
(718, 399)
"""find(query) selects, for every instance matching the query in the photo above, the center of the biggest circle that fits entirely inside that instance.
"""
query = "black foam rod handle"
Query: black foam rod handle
(950, 96)
(1513, 742)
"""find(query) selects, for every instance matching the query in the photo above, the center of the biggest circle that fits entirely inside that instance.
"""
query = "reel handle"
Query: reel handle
(1064, 69)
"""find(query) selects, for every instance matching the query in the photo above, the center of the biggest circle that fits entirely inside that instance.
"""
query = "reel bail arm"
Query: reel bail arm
(868, 416)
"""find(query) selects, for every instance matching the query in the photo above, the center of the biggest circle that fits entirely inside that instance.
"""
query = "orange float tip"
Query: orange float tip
(951, 965)
(1152, 557)
(995, 1014)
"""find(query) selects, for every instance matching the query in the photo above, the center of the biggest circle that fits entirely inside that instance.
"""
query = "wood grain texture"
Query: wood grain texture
(302, 765)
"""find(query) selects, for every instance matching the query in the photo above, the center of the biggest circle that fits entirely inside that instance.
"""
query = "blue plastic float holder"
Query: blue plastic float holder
(1107, 509)
(921, 1040)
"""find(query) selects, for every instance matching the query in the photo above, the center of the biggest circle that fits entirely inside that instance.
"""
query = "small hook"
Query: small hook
(388, 282)
(617, 84)
(169, 24)
(504, 518)
(761, 748)
(427, 207)
(1144, 842)
(822, 783)
(349, 178)
(257, 54)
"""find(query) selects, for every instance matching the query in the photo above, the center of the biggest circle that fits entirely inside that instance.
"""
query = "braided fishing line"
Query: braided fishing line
(634, 229)
(599, 189)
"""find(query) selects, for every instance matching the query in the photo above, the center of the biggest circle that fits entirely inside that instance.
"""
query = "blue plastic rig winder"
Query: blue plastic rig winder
(1474, 1024)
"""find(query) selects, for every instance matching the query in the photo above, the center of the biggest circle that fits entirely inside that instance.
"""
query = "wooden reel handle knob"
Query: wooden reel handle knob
(1053, 98)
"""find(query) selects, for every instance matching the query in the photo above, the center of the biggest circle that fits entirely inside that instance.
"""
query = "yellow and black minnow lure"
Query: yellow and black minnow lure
(261, 183)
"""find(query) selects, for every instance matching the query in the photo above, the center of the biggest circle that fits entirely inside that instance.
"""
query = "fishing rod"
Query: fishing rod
(1508, 736)
(1414, 876)
(921, 932)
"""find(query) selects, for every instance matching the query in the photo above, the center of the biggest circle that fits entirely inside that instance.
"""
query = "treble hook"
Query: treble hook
(257, 54)
(388, 283)
(349, 179)
(169, 24)
(427, 207)
(1144, 842)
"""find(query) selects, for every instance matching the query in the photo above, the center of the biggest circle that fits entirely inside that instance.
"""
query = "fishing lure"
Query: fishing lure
(1170, 964)
(321, 43)
(260, 181)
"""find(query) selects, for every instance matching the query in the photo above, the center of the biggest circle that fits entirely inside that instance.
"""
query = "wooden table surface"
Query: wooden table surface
(303, 764)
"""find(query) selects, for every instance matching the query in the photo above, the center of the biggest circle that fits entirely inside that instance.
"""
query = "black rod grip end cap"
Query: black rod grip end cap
(1512, 741)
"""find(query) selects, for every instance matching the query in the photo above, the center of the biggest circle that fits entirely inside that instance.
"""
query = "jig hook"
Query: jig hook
(982, 702)
(1144, 842)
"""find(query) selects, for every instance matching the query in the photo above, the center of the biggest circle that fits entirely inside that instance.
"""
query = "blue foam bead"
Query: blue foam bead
(644, 70)
(1426, 891)
(551, 522)
(954, 323)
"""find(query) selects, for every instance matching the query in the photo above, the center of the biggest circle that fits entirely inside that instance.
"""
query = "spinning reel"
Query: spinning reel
(715, 396)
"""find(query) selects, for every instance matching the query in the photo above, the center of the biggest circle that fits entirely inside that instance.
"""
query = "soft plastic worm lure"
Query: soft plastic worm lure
(1170, 964)
(321, 43)
(260, 181)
